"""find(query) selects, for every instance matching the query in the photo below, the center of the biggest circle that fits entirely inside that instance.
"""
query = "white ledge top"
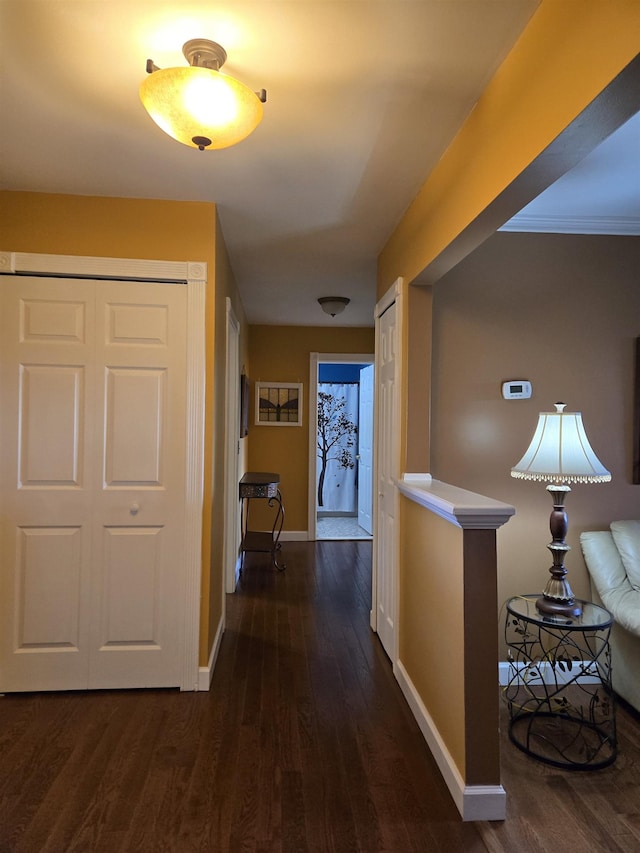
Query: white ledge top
(459, 506)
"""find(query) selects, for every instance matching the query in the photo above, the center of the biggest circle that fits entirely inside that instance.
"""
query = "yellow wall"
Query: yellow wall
(107, 227)
(432, 608)
(132, 228)
(281, 354)
(225, 286)
(566, 56)
(447, 643)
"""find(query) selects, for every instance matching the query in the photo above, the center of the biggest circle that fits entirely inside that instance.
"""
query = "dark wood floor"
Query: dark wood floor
(304, 743)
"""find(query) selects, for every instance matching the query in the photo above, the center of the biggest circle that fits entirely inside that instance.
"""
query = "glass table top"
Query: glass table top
(593, 616)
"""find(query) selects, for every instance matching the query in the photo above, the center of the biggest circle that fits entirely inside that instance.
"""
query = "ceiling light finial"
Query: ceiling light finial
(333, 304)
(198, 105)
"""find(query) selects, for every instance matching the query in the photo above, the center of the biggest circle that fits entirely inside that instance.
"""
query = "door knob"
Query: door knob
(134, 509)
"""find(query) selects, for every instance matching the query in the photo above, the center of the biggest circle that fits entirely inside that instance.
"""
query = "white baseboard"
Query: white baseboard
(205, 673)
(294, 536)
(474, 802)
(550, 674)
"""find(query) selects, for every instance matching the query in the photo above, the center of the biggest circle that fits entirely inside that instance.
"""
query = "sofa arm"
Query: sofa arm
(610, 578)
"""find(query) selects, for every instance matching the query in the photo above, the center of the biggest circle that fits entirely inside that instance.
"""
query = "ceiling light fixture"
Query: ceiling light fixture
(333, 304)
(198, 105)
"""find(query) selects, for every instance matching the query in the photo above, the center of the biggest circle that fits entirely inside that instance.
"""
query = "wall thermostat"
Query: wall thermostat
(516, 389)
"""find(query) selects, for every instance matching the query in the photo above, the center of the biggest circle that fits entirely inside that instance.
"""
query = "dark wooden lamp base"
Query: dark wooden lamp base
(557, 598)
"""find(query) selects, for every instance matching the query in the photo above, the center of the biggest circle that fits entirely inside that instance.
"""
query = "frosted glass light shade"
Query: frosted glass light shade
(560, 452)
(333, 304)
(201, 107)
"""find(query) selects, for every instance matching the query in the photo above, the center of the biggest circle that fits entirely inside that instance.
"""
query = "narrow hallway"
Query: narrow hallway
(329, 757)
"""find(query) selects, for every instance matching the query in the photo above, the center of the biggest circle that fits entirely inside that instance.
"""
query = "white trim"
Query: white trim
(607, 225)
(196, 289)
(458, 506)
(133, 269)
(194, 275)
(474, 802)
(388, 298)
(294, 536)
(205, 673)
(312, 527)
(290, 535)
(231, 544)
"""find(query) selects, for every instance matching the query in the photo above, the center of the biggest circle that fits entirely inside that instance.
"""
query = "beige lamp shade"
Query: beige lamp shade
(201, 107)
(560, 452)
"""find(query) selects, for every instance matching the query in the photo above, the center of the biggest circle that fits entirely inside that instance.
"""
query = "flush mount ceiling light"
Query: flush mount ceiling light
(198, 105)
(333, 304)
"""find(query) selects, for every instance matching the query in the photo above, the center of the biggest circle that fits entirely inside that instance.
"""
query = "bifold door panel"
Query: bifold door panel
(93, 436)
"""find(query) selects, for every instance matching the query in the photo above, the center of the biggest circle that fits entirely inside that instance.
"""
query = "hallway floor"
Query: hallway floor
(304, 744)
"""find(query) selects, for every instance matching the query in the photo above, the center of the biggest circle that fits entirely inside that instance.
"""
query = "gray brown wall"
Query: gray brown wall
(562, 311)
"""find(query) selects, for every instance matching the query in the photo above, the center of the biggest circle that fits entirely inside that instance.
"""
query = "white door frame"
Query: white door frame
(316, 358)
(394, 294)
(193, 274)
(232, 447)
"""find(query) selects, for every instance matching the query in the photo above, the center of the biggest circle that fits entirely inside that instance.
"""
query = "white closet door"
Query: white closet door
(93, 436)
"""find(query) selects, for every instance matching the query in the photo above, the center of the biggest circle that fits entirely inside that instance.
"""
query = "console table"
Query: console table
(559, 694)
(261, 485)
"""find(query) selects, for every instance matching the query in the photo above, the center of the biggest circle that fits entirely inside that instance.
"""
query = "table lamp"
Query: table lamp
(559, 454)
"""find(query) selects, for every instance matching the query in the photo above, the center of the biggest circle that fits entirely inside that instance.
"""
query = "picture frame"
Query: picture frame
(278, 404)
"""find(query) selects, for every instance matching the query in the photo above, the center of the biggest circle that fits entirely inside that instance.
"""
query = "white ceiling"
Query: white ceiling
(363, 98)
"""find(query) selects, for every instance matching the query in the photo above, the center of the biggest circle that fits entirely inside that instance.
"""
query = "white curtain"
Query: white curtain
(340, 490)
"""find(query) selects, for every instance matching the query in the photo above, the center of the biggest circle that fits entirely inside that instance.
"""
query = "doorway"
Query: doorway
(341, 447)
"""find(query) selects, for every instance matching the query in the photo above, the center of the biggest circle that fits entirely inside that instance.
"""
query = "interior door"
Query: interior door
(93, 436)
(387, 512)
(365, 449)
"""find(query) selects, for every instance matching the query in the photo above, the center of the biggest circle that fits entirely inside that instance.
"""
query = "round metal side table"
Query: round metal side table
(559, 695)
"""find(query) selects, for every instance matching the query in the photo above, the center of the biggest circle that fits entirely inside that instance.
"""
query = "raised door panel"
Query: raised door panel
(135, 422)
(52, 426)
(49, 571)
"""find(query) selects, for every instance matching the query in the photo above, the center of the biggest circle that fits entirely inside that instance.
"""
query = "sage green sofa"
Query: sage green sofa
(613, 561)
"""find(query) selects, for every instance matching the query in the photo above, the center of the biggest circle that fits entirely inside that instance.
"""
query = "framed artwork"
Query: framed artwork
(244, 406)
(279, 403)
